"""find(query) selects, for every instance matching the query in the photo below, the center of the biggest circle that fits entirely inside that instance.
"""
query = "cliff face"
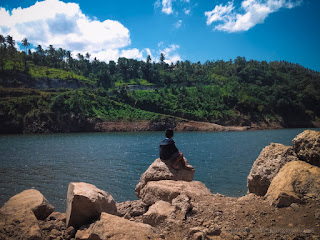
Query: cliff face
(173, 206)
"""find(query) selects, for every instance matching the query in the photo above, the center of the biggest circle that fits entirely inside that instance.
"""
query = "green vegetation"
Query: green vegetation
(231, 92)
(138, 81)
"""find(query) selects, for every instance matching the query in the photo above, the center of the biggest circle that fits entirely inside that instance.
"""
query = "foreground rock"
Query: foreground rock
(85, 203)
(114, 227)
(267, 165)
(167, 190)
(27, 200)
(20, 214)
(307, 146)
(21, 225)
(159, 170)
(296, 182)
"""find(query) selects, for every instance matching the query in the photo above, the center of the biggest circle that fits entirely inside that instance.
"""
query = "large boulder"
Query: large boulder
(307, 146)
(115, 228)
(85, 203)
(267, 165)
(167, 190)
(159, 170)
(30, 199)
(297, 181)
(19, 216)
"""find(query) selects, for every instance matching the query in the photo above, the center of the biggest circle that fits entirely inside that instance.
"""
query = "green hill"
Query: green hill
(50, 91)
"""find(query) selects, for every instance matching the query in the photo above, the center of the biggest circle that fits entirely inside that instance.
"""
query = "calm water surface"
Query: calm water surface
(114, 162)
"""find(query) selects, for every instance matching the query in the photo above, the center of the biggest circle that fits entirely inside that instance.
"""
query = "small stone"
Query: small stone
(294, 206)
(55, 232)
(70, 232)
(317, 214)
(214, 231)
(206, 224)
(198, 236)
(308, 231)
(127, 215)
(48, 226)
(290, 225)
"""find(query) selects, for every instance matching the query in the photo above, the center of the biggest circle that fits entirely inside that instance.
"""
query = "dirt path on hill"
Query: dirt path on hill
(122, 126)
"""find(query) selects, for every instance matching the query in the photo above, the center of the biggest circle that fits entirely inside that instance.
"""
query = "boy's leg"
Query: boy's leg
(179, 159)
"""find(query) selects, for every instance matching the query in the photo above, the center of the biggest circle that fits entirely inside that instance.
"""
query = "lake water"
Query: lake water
(114, 162)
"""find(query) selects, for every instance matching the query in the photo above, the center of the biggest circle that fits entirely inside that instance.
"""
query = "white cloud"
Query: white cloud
(171, 54)
(132, 53)
(160, 44)
(174, 6)
(178, 24)
(251, 13)
(64, 25)
(187, 11)
(167, 7)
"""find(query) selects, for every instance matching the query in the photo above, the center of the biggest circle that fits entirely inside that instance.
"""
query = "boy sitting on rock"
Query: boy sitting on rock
(169, 152)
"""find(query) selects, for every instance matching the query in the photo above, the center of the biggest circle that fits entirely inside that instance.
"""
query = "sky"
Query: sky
(195, 30)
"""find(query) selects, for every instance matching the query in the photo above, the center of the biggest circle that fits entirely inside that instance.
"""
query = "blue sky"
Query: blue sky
(195, 30)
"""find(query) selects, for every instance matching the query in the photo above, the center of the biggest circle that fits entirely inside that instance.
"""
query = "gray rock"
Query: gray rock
(267, 165)
(85, 203)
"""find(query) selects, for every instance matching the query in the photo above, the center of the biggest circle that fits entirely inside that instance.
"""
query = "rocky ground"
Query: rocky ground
(248, 217)
(283, 203)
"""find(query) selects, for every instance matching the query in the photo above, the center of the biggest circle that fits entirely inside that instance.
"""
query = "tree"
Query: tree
(148, 59)
(2, 41)
(25, 43)
(162, 58)
(11, 42)
(39, 50)
(88, 56)
(80, 57)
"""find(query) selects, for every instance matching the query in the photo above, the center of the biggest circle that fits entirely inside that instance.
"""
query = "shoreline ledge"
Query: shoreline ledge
(283, 202)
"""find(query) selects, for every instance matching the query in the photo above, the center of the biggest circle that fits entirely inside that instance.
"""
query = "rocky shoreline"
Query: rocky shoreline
(283, 202)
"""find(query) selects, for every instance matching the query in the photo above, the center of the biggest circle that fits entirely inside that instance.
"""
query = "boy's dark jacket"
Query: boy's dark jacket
(167, 148)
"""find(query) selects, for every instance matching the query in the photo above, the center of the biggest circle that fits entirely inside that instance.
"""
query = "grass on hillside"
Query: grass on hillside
(137, 81)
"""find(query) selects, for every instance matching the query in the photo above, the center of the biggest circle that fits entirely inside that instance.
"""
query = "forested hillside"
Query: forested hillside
(48, 90)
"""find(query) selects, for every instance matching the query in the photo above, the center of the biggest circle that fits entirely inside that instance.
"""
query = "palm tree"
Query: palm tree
(2, 41)
(25, 43)
(11, 42)
(39, 50)
(80, 56)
